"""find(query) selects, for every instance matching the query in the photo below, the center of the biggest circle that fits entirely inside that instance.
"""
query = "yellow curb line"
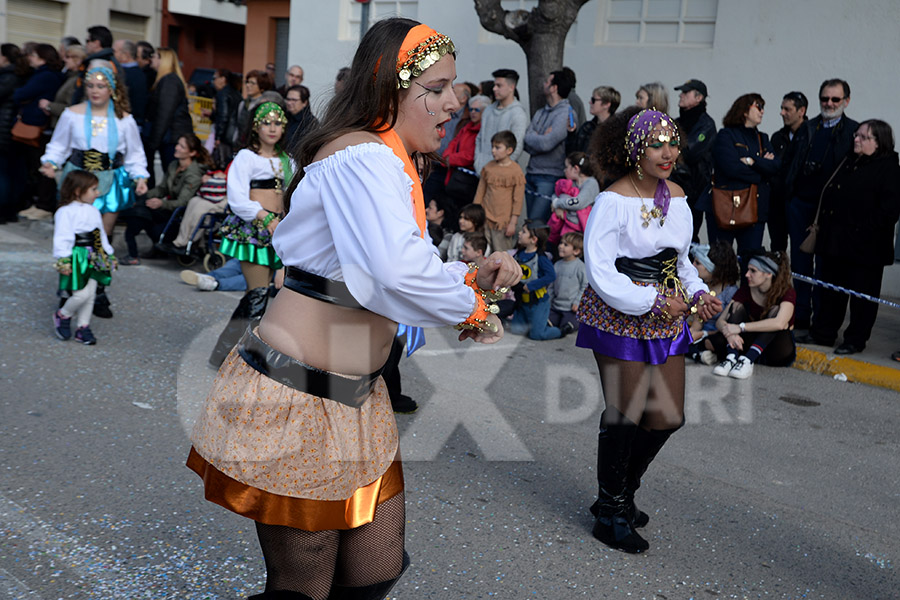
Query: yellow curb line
(856, 370)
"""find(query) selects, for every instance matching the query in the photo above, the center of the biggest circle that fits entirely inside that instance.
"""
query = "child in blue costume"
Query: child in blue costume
(84, 256)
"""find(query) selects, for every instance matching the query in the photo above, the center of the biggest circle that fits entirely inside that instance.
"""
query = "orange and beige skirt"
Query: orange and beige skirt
(281, 456)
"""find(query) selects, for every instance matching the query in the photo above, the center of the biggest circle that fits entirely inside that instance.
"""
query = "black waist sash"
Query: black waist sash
(94, 160)
(267, 184)
(654, 269)
(319, 288)
(348, 390)
(89, 239)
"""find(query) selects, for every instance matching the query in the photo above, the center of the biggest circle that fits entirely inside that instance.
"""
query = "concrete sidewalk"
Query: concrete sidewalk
(872, 366)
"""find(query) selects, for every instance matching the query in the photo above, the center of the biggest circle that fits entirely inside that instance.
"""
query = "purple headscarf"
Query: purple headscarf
(639, 128)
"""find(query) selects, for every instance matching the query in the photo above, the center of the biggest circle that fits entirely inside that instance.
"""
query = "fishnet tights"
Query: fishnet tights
(310, 561)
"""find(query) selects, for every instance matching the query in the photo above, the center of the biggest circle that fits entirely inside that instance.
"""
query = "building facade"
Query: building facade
(765, 46)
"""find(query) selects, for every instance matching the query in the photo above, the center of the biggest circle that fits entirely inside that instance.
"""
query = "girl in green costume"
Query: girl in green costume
(84, 256)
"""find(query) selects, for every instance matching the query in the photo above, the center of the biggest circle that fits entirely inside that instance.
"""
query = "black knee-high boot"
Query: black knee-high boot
(101, 304)
(252, 306)
(376, 591)
(647, 445)
(614, 526)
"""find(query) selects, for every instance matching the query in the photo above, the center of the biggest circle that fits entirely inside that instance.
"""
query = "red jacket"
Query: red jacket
(461, 151)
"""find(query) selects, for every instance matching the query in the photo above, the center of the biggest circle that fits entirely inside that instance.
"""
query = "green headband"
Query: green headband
(265, 109)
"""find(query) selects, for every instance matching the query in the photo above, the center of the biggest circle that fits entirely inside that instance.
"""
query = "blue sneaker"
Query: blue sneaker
(63, 326)
(85, 336)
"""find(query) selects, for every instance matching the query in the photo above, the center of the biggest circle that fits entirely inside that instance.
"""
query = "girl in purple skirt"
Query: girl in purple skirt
(632, 315)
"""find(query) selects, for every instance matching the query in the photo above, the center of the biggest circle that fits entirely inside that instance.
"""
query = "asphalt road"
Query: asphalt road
(782, 486)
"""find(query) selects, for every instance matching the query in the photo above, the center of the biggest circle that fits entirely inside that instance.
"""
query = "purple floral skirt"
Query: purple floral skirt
(638, 338)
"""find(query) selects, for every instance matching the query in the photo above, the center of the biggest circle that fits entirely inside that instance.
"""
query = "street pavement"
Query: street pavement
(781, 486)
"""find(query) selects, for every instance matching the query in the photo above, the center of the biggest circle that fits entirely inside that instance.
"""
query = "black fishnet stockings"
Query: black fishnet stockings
(310, 561)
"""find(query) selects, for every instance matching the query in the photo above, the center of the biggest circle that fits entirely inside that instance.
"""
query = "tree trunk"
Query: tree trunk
(541, 34)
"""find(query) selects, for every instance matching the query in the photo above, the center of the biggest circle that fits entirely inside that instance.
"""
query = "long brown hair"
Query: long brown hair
(737, 114)
(196, 146)
(369, 98)
(75, 184)
(781, 282)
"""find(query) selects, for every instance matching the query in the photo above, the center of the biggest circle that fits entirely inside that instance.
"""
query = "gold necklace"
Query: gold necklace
(279, 173)
(98, 124)
(647, 214)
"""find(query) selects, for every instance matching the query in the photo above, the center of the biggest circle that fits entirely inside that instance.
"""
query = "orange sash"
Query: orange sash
(393, 141)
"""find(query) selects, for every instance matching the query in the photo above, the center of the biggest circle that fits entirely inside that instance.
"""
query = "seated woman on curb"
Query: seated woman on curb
(757, 324)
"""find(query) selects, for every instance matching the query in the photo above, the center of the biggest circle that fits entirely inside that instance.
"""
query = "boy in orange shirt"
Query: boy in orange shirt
(501, 191)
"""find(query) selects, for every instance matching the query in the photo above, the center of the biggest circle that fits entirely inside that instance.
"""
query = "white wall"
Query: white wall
(765, 46)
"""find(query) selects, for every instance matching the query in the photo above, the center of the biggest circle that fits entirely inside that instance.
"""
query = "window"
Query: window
(351, 14)
(662, 22)
(125, 26)
(34, 20)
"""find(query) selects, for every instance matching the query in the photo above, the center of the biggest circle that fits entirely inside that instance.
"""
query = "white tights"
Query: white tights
(81, 304)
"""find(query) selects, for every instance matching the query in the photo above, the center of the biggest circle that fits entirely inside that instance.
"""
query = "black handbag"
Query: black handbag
(461, 187)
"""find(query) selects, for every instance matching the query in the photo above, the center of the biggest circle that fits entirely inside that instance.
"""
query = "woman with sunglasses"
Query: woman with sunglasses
(460, 187)
(742, 157)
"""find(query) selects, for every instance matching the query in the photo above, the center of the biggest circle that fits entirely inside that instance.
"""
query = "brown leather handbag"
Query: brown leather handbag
(26, 134)
(735, 209)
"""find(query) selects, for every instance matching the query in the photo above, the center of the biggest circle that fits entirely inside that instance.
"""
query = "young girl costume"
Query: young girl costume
(245, 237)
(105, 145)
(80, 243)
(285, 443)
(636, 258)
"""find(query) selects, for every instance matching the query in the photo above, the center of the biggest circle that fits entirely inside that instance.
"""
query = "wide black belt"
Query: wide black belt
(94, 160)
(89, 239)
(267, 184)
(320, 288)
(349, 391)
(653, 269)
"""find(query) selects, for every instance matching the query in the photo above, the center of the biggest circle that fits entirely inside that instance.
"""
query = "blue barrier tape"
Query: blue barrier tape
(471, 172)
(838, 288)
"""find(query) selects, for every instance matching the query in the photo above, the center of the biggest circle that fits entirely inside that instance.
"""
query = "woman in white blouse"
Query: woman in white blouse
(642, 285)
(298, 432)
(98, 135)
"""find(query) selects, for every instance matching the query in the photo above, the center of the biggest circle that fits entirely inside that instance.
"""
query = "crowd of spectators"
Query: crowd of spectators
(511, 165)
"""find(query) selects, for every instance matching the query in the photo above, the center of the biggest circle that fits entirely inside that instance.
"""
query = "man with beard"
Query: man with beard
(694, 170)
(829, 140)
(785, 141)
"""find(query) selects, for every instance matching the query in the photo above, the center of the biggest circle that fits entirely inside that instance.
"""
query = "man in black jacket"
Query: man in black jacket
(99, 47)
(828, 140)
(785, 141)
(694, 170)
(125, 52)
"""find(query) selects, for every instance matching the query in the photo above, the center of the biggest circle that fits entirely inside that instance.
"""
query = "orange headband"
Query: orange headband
(421, 48)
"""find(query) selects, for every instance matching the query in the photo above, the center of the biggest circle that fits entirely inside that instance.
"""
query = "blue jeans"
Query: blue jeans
(230, 277)
(800, 216)
(538, 194)
(748, 238)
(535, 315)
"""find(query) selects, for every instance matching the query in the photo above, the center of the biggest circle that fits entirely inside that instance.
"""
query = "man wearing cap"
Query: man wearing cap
(694, 171)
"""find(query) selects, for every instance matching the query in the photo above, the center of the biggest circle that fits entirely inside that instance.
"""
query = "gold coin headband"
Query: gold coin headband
(421, 48)
(639, 128)
(267, 108)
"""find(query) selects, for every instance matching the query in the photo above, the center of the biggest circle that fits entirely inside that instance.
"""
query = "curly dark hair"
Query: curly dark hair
(781, 282)
(727, 271)
(607, 149)
(737, 114)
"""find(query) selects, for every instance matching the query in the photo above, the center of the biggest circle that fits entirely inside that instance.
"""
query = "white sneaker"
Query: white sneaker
(206, 283)
(742, 369)
(724, 368)
(708, 357)
(189, 277)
